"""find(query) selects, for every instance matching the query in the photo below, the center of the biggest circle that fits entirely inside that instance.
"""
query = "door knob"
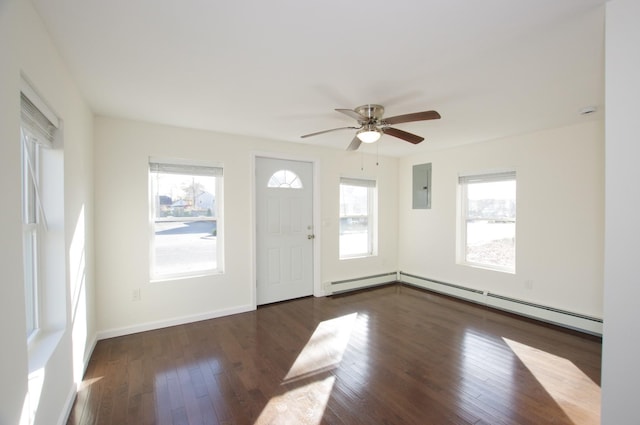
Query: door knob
(311, 236)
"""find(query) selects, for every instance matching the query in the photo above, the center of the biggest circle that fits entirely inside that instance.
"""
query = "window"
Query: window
(285, 179)
(37, 131)
(30, 228)
(357, 218)
(186, 203)
(488, 226)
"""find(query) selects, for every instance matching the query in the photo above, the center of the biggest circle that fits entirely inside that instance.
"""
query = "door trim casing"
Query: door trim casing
(318, 290)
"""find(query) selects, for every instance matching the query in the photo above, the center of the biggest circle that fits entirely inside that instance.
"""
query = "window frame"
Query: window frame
(464, 180)
(39, 128)
(281, 179)
(194, 168)
(372, 216)
(32, 227)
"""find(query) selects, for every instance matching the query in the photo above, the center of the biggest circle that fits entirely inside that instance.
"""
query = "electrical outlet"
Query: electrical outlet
(528, 284)
(135, 295)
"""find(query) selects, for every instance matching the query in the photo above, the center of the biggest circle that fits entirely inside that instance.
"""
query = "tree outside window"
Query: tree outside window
(187, 231)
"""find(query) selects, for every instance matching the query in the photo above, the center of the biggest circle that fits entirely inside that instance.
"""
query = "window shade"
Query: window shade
(196, 170)
(42, 128)
(484, 178)
(357, 182)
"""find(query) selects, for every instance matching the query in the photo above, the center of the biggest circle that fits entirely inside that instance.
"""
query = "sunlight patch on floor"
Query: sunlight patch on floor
(303, 405)
(306, 403)
(88, 382)
(325, 348)
(574, 392)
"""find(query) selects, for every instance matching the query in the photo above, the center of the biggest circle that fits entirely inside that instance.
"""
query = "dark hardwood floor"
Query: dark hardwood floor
(390, 355)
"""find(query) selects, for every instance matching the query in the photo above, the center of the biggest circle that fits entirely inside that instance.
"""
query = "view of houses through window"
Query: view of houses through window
(186, 219)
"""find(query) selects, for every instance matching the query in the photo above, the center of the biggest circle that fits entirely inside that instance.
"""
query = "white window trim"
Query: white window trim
(45, 135)
(36, 131)
(463, 180)
(372, 216)
(287, 182)
(32, 226)
(185, 164)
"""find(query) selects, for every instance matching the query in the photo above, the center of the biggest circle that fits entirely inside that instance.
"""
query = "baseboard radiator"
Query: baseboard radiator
(568, 319)
(341, 286)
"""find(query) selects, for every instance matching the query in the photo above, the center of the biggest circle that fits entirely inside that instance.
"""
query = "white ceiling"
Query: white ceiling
(277, 69)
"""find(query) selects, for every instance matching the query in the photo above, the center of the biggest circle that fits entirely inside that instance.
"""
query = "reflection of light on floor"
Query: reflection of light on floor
(88, 382)
(323, 352)
(571, 389)
(303, 405)
(477, 381)
(324, 349)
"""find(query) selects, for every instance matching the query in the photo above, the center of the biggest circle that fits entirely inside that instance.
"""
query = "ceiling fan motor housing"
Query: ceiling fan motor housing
(374, 113)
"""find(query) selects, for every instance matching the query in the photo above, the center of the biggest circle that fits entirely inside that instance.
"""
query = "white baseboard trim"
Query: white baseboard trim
(68, 405)
(71, 398)
(88, 353)
(564, 318)
(149, 326)
(361, 282)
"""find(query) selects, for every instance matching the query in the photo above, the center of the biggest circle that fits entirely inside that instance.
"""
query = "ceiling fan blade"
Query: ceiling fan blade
(354, 145)
(353, 114)
(401, 134)
(327, 131)
(417, 116)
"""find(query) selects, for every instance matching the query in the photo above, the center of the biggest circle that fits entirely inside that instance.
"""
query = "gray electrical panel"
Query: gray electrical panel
(422, 186)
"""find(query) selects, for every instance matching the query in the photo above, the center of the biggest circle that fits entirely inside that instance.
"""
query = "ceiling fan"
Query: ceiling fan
(371, 125)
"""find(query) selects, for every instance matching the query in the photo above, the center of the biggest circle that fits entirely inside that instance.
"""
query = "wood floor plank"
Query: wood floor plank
(390, 355)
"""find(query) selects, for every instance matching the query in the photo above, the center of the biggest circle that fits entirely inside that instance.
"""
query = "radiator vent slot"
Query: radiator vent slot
(340, 282)
(340, 286)
(449, 285)
(544, 307)
(568, 319)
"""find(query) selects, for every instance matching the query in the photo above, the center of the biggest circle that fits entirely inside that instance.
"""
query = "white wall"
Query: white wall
(13, 368)
(26, 48)
(559, 231)
(122, 153)
(621, 349)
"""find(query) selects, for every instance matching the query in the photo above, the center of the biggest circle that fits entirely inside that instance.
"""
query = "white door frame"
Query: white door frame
(317, 241)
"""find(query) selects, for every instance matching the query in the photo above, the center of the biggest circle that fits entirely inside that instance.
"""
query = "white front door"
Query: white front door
(284, 229)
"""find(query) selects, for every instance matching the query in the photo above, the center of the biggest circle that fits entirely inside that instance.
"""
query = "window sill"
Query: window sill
(358, 256)
(41, 348)
(195, 275)
(490, 268)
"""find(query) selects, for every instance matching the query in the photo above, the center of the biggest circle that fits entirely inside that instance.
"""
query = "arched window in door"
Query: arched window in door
(285, 179)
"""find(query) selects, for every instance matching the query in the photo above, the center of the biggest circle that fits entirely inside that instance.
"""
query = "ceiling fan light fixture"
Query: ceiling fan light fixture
(369, 135)
(372, 126)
